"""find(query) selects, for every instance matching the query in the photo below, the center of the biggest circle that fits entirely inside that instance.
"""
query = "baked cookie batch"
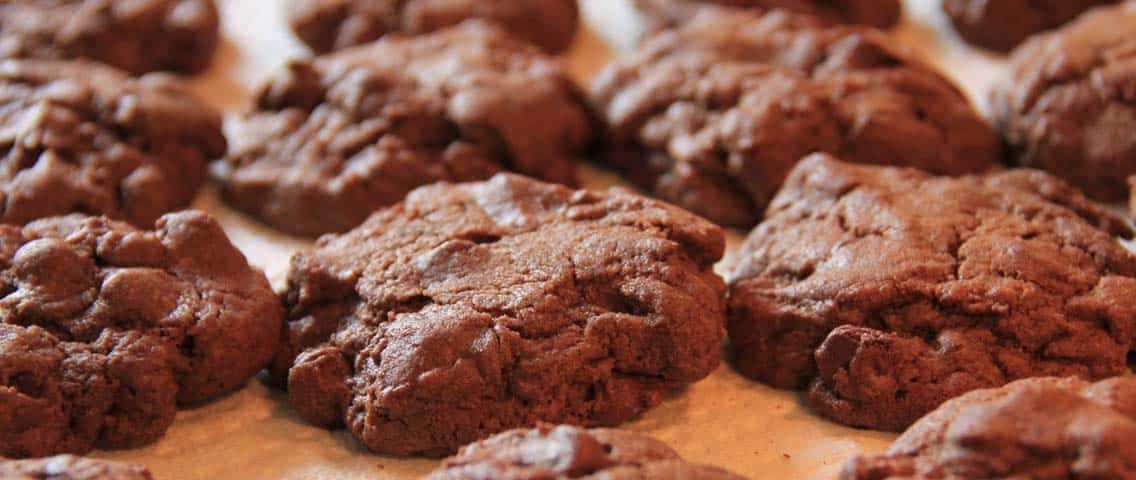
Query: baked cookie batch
(911, 266)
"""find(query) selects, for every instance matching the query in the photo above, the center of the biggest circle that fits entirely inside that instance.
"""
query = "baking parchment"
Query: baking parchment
(723, 420)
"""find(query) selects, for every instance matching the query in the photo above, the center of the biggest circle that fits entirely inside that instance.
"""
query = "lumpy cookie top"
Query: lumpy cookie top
(890, 290)
(1002, 24)
(334, 138)
(105, 328)
(327, 25)
(1069, 103)
(563, 452)
(474, 308)
(712, 116)
(80, 137)
(1033, 428)
(68, 467)
(138, 36)
(876, 13)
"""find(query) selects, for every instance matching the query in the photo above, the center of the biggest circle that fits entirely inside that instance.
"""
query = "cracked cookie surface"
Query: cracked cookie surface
(887, 291)
(138, 36)
(569, 452)
(69, 467)
(875, 13)
(712, 116)
(78, 137)
(1068, 105)
(105, 328)
(470, 309)
(1044, 428)
(1003, 24)
(335, 138)
(326, 25)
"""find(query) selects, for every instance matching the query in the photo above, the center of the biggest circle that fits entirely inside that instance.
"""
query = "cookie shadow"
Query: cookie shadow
(672, 412)
(283, 411)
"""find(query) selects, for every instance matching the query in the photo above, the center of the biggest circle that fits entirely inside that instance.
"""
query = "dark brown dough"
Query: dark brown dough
(1038, 428)
(888, 291)
(1069, 104)
(875, 13)
(327, 25)
(470, 309)
(138, 36)
(81, 137)
(562, 452)
(712, 116)
(1001, 25)
(68, 467)
(335, 138)
(105, 328)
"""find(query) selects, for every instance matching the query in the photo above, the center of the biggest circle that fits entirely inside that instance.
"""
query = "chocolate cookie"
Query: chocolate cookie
(1002, 24)
(67, 467)
(876, 13)
(564, 451)
(1034, 428)
(327, 25)
(138, 36)
(474, 308)
(888, 291)
(712, 116)
(335, 138)
(80, 137)
(1069, 105)
(105, 328)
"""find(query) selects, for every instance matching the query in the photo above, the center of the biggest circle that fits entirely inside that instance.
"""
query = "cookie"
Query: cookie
(333, 139)
(326, 25)
(1001, 25)
(712, 116)
(81, 137)
(138, 36)
(1068, 105)
(1034, 428)
(565, 451)
(887, 291)
(68, 467)
(876, 13)
(105, 329)
(470, 309)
